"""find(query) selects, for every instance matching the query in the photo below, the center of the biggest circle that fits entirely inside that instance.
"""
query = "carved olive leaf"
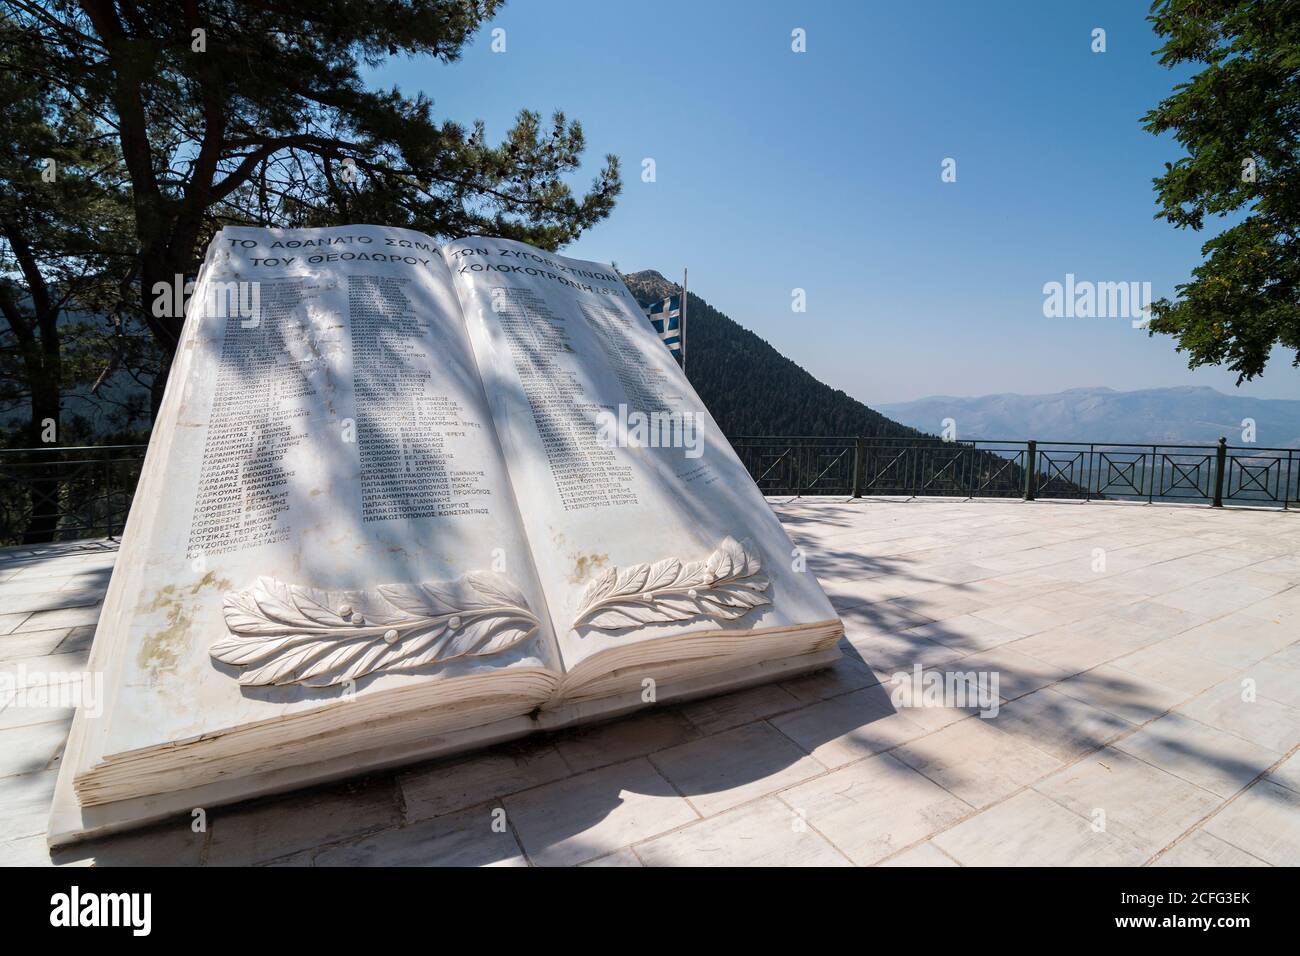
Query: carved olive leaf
(663, 574)
(631, 580)
(414, 599)
(286, 634)
(262, 611)
(242, 651)
(478, 589)
(293, 606)
(600, 587)
(732, 560)
(497, 589)
(332, 660)
(721, 562)
(282, 668)
(630, 613)
(724, 586)
(362, 658)
(483, 637)
(732, 601)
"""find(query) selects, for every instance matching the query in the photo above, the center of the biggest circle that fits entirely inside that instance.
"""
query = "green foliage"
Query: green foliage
(170, 120)
(258, 114)
(1239, 121)
(64, 223)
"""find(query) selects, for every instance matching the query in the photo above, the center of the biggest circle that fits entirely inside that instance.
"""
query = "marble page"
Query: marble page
(336, 517)
(643, 522)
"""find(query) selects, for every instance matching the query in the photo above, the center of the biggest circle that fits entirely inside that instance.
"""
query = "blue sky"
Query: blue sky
(821, 171)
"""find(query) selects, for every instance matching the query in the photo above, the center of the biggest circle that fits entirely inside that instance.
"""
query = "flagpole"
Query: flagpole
(684, 277)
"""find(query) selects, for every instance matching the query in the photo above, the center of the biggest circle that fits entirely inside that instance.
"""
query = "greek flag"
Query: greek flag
(666, 317)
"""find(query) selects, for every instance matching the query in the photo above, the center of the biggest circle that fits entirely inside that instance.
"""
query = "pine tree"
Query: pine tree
(239, 113)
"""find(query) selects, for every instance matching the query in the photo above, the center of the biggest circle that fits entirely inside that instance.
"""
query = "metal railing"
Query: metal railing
(62, 494)
(917, 467)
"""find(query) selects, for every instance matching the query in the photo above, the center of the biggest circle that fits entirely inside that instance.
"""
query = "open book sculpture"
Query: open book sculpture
(405, 499)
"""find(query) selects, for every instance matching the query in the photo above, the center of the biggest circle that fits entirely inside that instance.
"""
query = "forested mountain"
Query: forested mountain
(750, 387)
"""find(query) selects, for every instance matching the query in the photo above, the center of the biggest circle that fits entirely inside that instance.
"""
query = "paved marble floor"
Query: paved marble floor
(1147, 704)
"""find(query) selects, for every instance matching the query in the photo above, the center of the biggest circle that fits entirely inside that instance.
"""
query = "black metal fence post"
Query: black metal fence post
(1286, 494)
(1221, 458)
(857, 467)
(1031, 470)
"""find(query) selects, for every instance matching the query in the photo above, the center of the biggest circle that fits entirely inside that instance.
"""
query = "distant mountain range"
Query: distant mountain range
(1191, 415)
(750, 387)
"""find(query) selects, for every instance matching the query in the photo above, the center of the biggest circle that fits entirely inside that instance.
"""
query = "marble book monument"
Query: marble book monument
(405, 499)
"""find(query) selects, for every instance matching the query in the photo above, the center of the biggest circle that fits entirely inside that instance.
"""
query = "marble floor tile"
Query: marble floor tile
(1213, 759)
(846, 728)
(594, 814)
(726, 711)
(1264, 821)
(875, 807)
(450, 785)
(1033, 830)
(1058, 724)
(923, 854)
(1143, 805)
(586, 748)
(478, 836)
(1240, 708)
(1123, 693)
(264, 830)
(762, 833)
(1204, 849)
(727, 769)
(977, 762)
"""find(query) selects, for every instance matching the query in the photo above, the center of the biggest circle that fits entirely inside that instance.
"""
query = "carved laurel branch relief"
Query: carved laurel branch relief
(725, 586)
(288, 634)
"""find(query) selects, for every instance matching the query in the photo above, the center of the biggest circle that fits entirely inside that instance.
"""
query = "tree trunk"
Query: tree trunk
(45, 489)
(166, 328)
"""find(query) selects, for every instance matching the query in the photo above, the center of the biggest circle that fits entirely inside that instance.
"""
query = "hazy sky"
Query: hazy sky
(778, 170)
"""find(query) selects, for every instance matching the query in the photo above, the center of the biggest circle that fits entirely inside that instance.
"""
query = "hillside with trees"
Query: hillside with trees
(750, 387)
